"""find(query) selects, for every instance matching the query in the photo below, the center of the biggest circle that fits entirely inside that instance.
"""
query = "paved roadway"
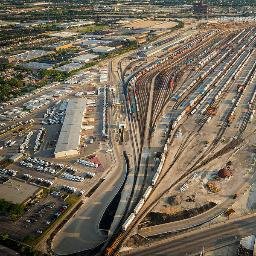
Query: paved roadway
(215, 236)
(82, 230)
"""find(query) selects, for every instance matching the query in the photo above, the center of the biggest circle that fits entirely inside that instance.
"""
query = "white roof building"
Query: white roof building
(103, 49)
(37, 65)
(69, 138)
(69, 67)
(29, 55)
(85, 58)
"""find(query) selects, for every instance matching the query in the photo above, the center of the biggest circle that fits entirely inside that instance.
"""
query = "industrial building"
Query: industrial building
(27, 55)
(63, 34)
(70, 67)
(84, 58)
(59, 46)
(103, 49)
(200, 8)
(95, 42)
(69, 138)
(37, 65)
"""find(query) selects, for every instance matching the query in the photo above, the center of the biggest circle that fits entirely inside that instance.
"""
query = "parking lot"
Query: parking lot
(30, 142)
(37, 217)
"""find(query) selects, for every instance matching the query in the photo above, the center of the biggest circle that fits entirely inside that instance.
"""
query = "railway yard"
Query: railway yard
(192, 131)
(141, 149)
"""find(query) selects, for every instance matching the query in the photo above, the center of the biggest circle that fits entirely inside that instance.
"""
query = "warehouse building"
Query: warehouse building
(103, 49)
(60, 46)
(28, 55)
(37, 65)
(70, 134)
(84, 58)
(70, 67)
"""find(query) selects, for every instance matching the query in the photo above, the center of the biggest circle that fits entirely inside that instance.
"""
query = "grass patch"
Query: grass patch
(91, 28)
(11, 210)
(71, 200)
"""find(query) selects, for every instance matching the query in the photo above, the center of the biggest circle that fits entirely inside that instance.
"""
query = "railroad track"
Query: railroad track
(143, 99)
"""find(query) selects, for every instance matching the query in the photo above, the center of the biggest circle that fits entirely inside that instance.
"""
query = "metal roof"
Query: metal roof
(69, 138)
(85, 57)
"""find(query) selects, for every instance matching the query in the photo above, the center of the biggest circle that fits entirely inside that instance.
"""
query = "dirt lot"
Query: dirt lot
(153, 24)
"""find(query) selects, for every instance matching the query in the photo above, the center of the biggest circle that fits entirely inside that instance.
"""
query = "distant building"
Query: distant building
(37, 65)
(95, 42)
(27, 55)
(84, 58)
(199, 8)
(70, 67)
(63, 34)
(103, 49)
(59, 46)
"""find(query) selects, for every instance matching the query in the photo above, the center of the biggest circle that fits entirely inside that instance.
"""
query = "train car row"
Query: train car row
(159, 62)
(155, 64)
(199, 94)
(104, 115)
(133, 107)
(158, 172)
(155, 178)
(239, 95)
(192, 106)
(201, 77)
(196, 101)
(250, 113)
(146, 194)
(208, 58)
(149, 189)
(247, 81)
(234, 38)
(221, 86)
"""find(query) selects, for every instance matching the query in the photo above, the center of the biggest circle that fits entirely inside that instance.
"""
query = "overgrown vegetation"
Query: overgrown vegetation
(10, 210)
(53, 75)
(92, 28)
(22, 248)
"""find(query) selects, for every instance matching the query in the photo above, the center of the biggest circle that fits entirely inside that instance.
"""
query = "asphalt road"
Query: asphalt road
(82, 230)
(192, 242)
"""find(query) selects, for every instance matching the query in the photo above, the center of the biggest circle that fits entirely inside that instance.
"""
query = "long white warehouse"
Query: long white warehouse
(70, 134)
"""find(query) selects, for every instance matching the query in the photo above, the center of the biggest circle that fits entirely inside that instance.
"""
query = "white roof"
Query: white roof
(85, 57)
(103, 49)
(69, 67)
(69, 137)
